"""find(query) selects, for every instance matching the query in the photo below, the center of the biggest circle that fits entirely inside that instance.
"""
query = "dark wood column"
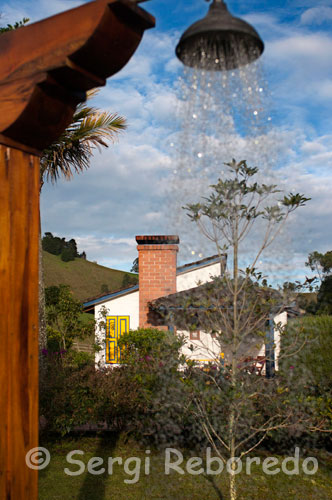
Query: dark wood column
(19, 225)
(45, 70)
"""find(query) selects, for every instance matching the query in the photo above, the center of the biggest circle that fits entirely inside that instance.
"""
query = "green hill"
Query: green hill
(86, 279)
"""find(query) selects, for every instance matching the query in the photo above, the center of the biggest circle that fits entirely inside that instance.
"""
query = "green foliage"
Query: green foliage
(310, 369)
(52, 244)
(153, 360)
(59, 246)
(17, 25)
(134, 267)
(150, 342)
(63, 317)
(313, 362)
(72, 152)
(75, 394)
(52, 295)
(324, 297)
(320, 263)
(67, 254)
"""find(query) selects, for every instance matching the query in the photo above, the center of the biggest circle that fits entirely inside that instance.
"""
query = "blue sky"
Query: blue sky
(123, 193)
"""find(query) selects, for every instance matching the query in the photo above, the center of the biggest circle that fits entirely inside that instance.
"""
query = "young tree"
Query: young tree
(237, 409)
(63, 316)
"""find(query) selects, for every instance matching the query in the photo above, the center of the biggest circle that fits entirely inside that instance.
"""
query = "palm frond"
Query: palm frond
(72, 152)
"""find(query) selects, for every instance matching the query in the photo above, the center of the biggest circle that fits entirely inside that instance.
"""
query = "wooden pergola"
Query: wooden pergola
(45, 70)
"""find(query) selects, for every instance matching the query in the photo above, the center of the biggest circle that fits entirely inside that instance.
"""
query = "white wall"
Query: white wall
(280, 321)
(204, 350)
(191, 278)
(207, 348)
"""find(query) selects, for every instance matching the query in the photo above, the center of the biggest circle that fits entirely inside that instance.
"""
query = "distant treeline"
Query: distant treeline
(59, 246)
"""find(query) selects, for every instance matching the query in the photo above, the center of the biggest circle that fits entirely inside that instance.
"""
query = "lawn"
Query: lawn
(56, 484)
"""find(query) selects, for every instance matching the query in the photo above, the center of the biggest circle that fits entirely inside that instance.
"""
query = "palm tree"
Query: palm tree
(72, 152)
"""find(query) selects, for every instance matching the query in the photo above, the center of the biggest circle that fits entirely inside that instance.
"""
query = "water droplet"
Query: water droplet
(172, 144)
(209, 84)
(216, 61)
(175, 171)
(200, 255)
(194, 116)
(199, 155)
(193, 252)
(255, 113)
(269, 118)
(189, 170)
(261, 89)
(249, 89)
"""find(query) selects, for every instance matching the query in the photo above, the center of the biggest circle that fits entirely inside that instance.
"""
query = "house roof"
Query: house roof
(93, 301)
(214, 259)
(202, 305)
(90, 303)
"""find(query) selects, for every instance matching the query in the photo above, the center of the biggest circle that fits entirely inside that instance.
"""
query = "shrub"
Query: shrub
(75, 394)
(67, 255)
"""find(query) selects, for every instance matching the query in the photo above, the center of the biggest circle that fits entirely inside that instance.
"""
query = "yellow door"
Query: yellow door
(116, 326)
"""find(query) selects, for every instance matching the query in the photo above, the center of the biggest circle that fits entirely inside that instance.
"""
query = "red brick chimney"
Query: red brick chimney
(157, 270)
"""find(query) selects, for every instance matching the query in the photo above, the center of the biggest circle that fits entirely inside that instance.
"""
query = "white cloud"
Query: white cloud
(303, 49)
(317, 15)
(113, 252)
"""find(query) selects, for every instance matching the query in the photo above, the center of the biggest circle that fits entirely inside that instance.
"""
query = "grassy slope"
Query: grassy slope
(55, 484)
(84, 278)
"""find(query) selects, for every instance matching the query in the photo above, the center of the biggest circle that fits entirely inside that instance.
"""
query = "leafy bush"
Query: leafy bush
(67, 255)
(74, 394)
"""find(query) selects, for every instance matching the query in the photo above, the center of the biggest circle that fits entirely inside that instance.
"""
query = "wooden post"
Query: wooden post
(45, 70)
(19, 223)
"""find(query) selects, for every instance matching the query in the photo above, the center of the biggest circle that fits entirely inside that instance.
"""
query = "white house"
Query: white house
(159, 277)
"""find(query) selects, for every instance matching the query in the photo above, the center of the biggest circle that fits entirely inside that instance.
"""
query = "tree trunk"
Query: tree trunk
(42, 314)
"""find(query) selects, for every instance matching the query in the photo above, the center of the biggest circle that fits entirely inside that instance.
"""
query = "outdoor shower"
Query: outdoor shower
(219, 41)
